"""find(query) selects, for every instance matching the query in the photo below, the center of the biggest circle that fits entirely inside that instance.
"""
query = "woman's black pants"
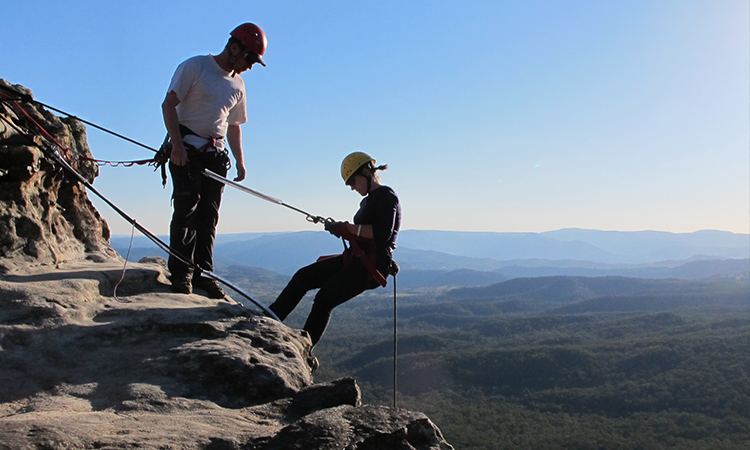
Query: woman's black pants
(338, 282)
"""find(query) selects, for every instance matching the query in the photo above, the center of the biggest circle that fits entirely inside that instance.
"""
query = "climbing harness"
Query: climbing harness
(354, 249)
(52, 149)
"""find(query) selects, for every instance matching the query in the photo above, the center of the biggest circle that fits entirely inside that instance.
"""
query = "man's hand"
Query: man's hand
(178, 155)
(234, 138)
(241, 173)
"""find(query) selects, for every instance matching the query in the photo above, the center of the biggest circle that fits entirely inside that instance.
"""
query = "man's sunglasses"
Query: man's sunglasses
(252, 58)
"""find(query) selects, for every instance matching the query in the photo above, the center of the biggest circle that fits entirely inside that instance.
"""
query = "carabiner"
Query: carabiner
(318, 219)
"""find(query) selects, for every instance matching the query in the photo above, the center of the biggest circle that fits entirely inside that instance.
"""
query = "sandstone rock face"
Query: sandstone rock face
(98, 354)
(45, 216)
(80, 368)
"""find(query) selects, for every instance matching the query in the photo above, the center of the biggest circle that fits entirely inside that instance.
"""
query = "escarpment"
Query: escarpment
(94, 356)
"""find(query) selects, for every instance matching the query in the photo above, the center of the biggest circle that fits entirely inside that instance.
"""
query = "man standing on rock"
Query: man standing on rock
(205, 103)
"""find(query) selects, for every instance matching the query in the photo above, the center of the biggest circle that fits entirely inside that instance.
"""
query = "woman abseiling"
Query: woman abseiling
(367, 261)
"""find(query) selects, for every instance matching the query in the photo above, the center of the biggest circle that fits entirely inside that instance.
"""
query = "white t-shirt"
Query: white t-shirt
(210, 99)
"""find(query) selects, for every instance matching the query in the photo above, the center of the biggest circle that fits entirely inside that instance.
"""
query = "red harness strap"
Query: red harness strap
(367, 260)
(355, 250)
(65, 152)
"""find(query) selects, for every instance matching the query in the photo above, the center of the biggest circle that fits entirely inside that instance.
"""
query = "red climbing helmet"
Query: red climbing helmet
(253, 38)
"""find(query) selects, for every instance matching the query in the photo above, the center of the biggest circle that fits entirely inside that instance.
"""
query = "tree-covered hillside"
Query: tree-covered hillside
(507, 366)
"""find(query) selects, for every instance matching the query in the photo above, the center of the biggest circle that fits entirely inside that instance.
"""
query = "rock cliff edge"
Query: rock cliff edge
(92, 356)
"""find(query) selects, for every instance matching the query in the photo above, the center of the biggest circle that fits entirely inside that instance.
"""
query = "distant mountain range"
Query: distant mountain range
(477, 258)
(611, 247)
(565, 289)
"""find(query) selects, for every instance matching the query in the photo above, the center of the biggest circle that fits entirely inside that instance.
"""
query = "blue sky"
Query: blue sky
(510, 116)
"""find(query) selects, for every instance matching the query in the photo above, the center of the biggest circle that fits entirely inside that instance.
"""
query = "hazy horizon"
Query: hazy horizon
(462, 231)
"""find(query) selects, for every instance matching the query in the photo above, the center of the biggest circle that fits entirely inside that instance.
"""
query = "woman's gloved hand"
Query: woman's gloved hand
(336, 228)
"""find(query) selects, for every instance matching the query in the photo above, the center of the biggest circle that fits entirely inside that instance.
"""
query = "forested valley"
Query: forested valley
(551, 362)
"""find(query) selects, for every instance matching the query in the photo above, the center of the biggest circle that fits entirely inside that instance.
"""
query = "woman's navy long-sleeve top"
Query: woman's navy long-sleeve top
(381, 209)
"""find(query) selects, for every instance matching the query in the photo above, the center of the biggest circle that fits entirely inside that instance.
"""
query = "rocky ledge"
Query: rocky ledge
(81, 368)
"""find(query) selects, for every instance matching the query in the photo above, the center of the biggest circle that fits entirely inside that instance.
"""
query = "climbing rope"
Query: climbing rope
(12, 94)
(395, 342)
(124, 267)
(268, 198)
(102, 163)
(158, 161)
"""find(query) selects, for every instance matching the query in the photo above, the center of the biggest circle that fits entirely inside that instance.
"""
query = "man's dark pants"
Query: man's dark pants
(196, 201)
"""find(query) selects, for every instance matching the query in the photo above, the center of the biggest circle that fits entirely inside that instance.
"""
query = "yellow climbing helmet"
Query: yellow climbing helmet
(353, 162)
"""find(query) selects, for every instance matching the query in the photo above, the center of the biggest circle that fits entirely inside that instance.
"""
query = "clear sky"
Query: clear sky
(498, 115)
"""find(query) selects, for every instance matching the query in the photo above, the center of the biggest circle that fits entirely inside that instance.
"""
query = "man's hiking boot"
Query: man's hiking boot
(211, 286)
(181, 285)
